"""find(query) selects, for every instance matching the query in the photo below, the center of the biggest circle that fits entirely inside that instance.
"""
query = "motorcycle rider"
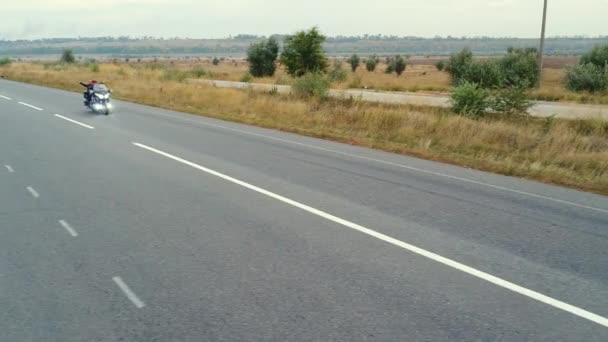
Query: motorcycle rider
(89, 92)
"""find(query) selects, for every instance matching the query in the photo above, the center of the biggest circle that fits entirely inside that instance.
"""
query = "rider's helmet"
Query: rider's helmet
(93, 82)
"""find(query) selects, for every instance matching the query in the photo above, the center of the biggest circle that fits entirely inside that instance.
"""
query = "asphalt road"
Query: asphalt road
(152, 225)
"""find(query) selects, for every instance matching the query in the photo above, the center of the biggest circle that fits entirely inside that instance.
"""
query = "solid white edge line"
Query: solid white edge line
(4, 97)
(74, 121)
(417, 250)
(68, 228)
(130, 294)
(411, 168)
(33, 192)
(29, 105)
(9, 168)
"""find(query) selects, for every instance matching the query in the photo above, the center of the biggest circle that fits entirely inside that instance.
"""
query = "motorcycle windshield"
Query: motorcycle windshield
(100, 89)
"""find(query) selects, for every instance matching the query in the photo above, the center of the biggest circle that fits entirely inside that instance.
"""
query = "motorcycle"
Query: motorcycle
(98, 99)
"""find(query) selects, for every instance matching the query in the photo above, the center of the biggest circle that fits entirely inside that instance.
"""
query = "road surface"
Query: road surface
(540, 108)
(152, 225)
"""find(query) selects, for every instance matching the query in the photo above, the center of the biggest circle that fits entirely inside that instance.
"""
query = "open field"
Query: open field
(420, 76)
(568, 152)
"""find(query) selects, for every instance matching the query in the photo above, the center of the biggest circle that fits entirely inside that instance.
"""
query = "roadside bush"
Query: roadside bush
(390, 66)
(94, 67)
(586, 77)
(303, 53)
(598, 56)
(399, 65)
(440, 65)
(215, 61)
(262, 58)
(371, 63)
(337, 73)
(247, 78)
(67, 56)
(458, 64)
(511, 100)
(486, 74)
(311, 85)
(5, 61)
(520, 67)
(199, 72)
(354, 62)
(470, 99)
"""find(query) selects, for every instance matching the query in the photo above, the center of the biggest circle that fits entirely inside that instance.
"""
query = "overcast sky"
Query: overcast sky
(27, 19)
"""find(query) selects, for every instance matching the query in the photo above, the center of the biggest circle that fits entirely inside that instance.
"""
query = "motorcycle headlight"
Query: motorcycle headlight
(103, 96)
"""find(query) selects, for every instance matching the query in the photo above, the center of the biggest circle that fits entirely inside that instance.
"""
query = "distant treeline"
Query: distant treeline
(340, 45)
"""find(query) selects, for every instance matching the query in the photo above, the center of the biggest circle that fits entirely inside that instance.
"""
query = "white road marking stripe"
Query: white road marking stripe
(9, 168)
(439, 174)
(4, 97)
(29, 105)
(33, 192)
(68, 228)
(74, 121)
(130, 294)
(417, 250)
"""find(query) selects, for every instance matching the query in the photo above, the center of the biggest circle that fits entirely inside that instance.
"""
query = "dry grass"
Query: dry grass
(571, 153)
(420, 76)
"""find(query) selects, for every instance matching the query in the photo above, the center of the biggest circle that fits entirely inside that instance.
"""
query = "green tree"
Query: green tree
(399, 65)
(458, 64)
(354, 62)
(68, 56)
(520, 67)
(303, 53)
(598, 56)
(216, 61)
(588, 76)
(440, 65)
(262, 58)
(371, 63)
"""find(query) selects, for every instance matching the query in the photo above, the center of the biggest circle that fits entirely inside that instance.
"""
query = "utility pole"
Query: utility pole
(542, 46)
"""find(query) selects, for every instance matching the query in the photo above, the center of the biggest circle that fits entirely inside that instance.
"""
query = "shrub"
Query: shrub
(458, 64)
(371, 63)
(390, 65)
(216, 61)
(247, 77)
(337, 73)
(511, 100)
(470, 99)
(67, 56)
(399, 65)
(598, 56)
(5, 61)
(486, 74)
(94, 67)
(311, 85)
(303, 53)
(440, 65)
(520, 67)
(199, 72)
(262, 58)
(589, 77)
(354, 62)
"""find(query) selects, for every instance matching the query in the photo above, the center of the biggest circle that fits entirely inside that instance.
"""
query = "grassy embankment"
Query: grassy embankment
(568, 152)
